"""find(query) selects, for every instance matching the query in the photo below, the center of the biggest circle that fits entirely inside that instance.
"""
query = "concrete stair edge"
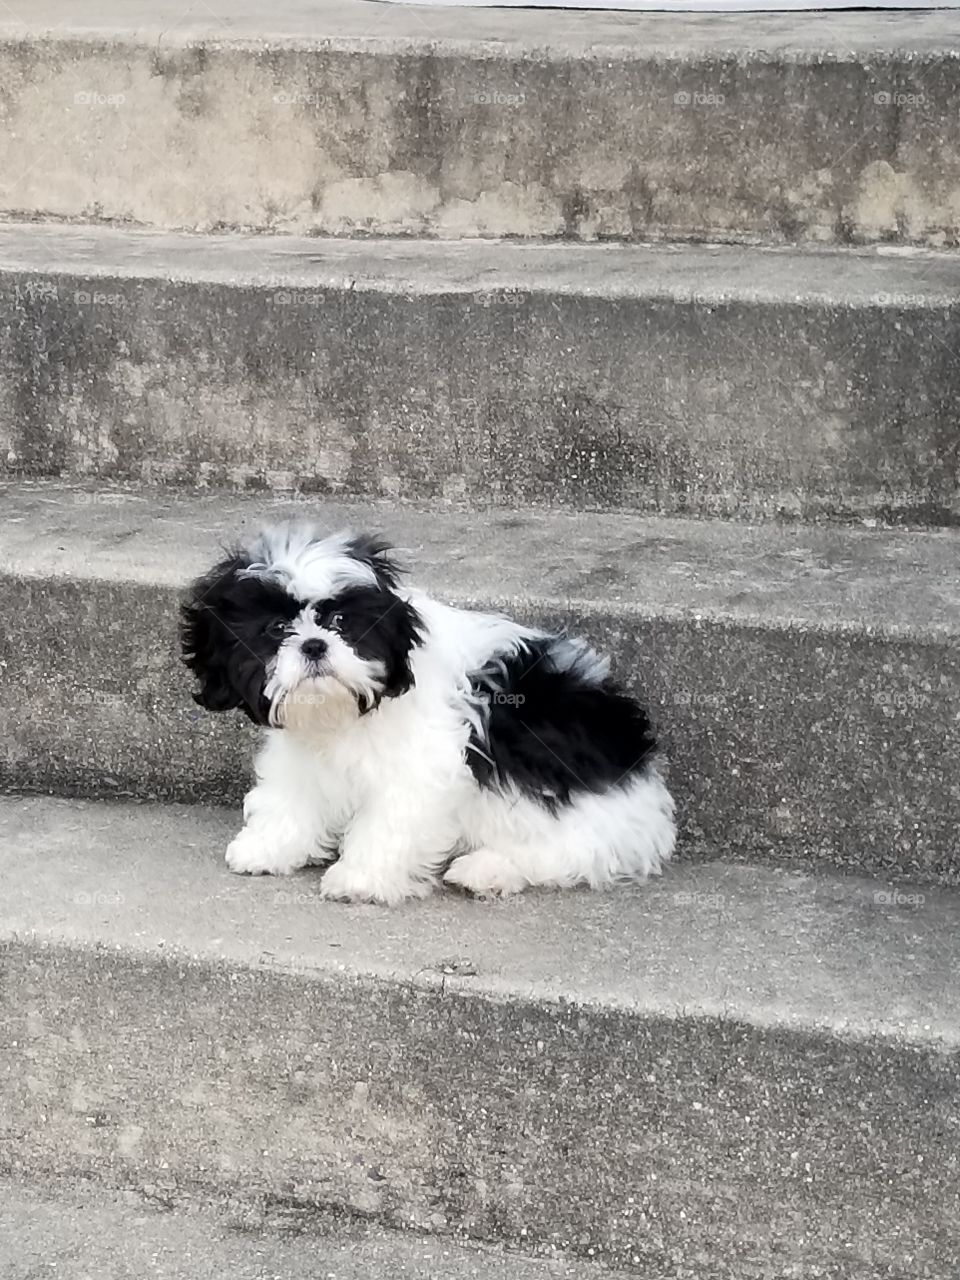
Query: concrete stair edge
(711, 381)
(238, 1036)
(777, 950)
(805, 681)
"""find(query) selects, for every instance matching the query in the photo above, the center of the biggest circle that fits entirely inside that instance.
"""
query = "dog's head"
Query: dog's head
(299, 629)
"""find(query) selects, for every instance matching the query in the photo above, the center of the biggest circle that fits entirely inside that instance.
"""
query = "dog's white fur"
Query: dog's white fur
(392, 792)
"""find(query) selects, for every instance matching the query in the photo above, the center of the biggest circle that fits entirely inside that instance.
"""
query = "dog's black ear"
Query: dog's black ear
(371, 549)
(385, 629)
(201, 636)
(403, 629)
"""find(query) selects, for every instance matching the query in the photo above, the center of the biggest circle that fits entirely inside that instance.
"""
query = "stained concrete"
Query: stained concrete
(79, 1231)
(722, 1073)
(710, 381)
(806, 682)
(355, 118)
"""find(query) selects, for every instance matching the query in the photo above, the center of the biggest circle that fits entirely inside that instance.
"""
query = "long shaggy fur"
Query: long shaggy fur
(407, 741)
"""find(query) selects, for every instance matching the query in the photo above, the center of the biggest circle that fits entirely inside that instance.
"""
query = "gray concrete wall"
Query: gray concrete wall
(717, 383)
(669, 1146)
(713, 139)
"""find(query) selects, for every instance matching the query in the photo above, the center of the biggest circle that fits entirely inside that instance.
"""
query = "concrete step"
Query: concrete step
(705, 380)
(82, 1231)
(344, 117)
(731, 1071)
(807, 682)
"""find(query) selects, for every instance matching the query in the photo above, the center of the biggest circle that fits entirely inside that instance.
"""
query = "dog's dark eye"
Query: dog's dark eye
(276, 628)
(333, 621)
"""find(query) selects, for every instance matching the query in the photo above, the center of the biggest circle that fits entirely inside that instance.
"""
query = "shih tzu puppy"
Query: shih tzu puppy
(408, 741)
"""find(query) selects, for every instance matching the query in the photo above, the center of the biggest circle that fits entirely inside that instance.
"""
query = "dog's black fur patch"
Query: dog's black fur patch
(372, 550)
(551, 731)
(227, 636)
(377, 624)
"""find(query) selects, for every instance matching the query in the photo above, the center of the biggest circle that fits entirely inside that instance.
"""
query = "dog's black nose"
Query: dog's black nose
(313, 649)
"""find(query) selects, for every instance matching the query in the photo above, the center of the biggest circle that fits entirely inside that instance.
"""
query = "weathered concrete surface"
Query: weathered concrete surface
(707, 380)
(351, 118)
(847, 956)
(358, 21)
(80, 1231)
(727, 1073)
(807, 682)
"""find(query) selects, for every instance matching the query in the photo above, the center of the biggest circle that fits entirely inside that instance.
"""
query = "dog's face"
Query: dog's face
(300, 630)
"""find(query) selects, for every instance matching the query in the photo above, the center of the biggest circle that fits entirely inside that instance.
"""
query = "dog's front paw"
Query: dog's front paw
(252, 853)
(354, 884)
(485, 872)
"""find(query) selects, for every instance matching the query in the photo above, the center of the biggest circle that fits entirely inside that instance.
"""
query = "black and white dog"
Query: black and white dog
(410, 740)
